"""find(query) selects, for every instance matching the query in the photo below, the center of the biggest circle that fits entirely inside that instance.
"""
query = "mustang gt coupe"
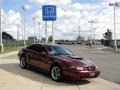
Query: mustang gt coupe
(57, 61)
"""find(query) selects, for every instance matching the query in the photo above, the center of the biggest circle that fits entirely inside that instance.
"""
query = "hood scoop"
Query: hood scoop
(75, 57)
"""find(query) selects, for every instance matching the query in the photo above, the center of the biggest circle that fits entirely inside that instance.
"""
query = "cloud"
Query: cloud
(78, 14)
(37, 15)
(56, 2)
(86, 6)
(69, 17)
(111, 1)
(27, 6)
(10, 22)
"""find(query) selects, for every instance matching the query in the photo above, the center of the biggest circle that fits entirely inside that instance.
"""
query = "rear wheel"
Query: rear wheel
(56, 73)
(23, 63)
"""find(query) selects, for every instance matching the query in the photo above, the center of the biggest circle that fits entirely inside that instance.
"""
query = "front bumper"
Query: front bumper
(76, 75)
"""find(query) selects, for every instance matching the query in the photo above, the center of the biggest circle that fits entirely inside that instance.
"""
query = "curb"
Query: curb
(108, 83)
(8, 54)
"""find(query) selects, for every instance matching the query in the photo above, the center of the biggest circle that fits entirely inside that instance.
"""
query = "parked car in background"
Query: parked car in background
(112, 44)
(57, 61)
(118, 44)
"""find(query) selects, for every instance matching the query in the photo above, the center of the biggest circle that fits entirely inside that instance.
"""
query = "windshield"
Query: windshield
(58, 50)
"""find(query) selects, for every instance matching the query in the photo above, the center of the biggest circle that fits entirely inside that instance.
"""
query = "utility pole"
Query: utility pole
(18, 32)
(91, 31)
(46, 37)
(1, 43)
(18, 35)
(24, 9)
(79, 25)
(39, 32)
(79, 31)
(22, 33)
(94, 36)
(74, 36)
(52, 33)
(34, 28)
(116, 4)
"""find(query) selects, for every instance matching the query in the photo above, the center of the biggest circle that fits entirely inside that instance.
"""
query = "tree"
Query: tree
(6, 36)
(43, 40)
(102, 41)
(50, 39)
(108, 37)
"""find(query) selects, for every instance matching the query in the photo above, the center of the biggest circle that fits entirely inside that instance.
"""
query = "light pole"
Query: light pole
(39, 31)
(46, 36)
(1, 44)
(24, 9)
(91, 30)
(79, 30)
(94, 36)
(115, 4)
(75, 37)
(34, 28)
(18, 32)
(52, 33)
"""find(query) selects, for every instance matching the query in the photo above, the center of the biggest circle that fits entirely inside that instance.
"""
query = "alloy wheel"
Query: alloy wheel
(23, 62)
(56, 73)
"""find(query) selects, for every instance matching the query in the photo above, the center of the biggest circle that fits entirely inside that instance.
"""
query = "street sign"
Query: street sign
(49, 12)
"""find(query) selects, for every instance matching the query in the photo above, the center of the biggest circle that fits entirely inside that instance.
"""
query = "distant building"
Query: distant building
(31, 38)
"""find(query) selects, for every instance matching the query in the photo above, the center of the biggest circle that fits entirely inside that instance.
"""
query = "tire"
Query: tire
(23, 63)
(56, 73)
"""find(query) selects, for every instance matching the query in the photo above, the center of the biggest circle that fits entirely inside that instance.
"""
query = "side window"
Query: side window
(30, 47)
(50, 50)
(40, 49)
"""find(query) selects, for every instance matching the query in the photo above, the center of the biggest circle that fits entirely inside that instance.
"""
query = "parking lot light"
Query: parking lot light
(39, 31)
(24, 22)
(116, 4)
(91, 31)
(34, 18)
(1, 44)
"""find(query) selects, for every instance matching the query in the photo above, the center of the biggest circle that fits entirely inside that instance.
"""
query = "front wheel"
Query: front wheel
(56, 73)
(23, 63)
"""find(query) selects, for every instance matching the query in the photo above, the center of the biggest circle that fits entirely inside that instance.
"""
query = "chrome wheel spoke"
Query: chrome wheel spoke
(23, 62)
(56, 73)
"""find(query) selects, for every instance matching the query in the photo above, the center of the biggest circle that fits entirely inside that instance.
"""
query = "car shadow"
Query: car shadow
(36, 75)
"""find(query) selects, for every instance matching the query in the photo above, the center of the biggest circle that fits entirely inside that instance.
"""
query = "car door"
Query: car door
(40, 57)
(31, 50)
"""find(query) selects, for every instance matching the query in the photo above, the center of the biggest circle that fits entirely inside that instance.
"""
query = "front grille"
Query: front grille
(90, 68)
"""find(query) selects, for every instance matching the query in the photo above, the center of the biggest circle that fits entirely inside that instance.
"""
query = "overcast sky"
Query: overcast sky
(70, 15)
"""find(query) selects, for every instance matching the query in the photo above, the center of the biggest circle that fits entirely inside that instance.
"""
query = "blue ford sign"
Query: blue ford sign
(49, 12)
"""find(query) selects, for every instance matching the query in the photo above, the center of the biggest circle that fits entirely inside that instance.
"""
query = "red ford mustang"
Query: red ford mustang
(58, 61)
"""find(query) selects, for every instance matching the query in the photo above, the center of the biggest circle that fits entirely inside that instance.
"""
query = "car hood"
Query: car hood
(75, 60)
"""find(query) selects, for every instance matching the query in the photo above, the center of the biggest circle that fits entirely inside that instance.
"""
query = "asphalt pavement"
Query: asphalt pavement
(108, 62)
(15, 78)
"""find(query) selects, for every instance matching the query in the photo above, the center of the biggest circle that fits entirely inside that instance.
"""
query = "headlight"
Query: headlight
(80, 68)
(76, 68)
(96, 67)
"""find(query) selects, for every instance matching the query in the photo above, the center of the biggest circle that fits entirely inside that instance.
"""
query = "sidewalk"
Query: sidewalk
(2, 55)
(91, 84)
(12, 77)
